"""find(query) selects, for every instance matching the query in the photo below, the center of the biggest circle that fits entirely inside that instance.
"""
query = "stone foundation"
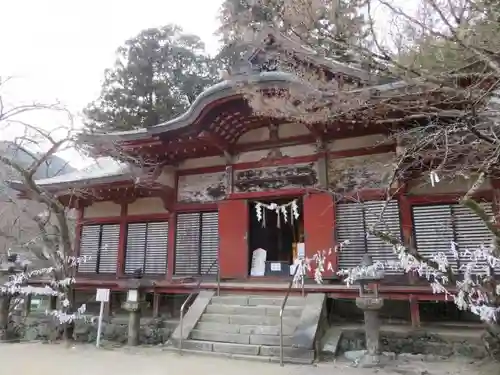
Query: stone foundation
(419, 342)
(115, 330)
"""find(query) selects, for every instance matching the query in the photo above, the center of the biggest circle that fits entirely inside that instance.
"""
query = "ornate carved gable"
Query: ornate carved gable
(266, 59)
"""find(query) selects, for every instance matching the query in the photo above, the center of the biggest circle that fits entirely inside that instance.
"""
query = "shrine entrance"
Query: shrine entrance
(276, 230)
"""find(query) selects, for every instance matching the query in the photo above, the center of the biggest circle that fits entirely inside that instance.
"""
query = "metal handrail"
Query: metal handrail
(283, 304)
(190, 296)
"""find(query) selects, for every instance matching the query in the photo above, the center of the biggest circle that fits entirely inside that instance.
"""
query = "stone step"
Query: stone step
(257, 300)
(238, 338)
(248, 319)
(256, 358)
(245, 329)
(295, 311)
(252, 350)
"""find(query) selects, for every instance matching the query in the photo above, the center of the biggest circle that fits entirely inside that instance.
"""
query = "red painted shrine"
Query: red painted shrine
(202, 177)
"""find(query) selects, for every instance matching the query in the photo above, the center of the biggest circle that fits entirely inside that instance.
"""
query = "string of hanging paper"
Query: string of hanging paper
(285, 212)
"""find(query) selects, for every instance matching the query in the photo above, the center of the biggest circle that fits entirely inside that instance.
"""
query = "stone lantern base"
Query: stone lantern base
(371, 306)
(134, 322)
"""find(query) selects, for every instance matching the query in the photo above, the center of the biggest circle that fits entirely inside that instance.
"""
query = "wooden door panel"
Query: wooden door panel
(319, 214)
(233, 239)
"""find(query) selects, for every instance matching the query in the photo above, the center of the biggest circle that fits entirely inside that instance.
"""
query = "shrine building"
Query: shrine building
(210, 187)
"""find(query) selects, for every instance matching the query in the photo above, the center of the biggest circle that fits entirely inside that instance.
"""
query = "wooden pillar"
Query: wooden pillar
(156, 305)
(122, 243)
(79, 227)
(319, 228)
(406, 217)
(172, 224)
(27, 305)
(233, 239)
(414, 312)
(107, 307)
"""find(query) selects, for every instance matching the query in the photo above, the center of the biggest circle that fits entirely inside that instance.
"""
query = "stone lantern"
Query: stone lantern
(134, 303)
(370, 302)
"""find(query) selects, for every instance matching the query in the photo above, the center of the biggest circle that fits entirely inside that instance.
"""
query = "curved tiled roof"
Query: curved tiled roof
(224, 89)
(104, 170)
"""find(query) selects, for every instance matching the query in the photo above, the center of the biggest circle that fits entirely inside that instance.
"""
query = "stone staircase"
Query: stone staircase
(247, 327)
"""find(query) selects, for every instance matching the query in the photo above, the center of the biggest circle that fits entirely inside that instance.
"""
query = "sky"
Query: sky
(58, 50)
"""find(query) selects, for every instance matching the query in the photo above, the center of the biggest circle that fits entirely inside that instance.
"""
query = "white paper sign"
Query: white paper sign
(301, 250)
(102, 295)
(276, 267)
(132, 295)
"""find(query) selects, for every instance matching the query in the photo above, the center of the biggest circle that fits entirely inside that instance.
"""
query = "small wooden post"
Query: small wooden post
(414, 312)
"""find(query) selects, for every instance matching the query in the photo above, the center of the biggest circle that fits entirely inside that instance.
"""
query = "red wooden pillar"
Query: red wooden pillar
(414, 312)
(120, 264)
(233, 239)
(406, 217)
(319, 212)
(172, 224)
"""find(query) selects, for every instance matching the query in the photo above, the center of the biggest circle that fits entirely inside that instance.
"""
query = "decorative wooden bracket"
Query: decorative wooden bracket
(127, 200)
(167, 195)
(216, 140)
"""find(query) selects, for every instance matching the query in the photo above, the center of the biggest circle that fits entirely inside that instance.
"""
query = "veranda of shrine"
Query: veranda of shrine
(192, 212)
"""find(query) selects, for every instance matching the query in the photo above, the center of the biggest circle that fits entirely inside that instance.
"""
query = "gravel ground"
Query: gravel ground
(39, 359)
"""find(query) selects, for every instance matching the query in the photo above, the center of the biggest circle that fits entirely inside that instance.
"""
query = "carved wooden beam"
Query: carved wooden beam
(129, 199)
(167, 195)
(216, 140)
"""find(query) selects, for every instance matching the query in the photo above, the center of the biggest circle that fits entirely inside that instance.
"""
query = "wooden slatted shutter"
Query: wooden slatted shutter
(389, 222)
(108, 254)
(156, 248)
(89, 247)
(433, 227)
(209, 241)
(471, 234)
(353, 220)
(136, 247)
(350, 226)
(187, 244)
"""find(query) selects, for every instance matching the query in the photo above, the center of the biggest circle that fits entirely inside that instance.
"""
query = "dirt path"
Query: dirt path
(36, 359)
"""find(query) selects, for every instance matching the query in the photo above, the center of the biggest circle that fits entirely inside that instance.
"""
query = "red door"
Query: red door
(233, 239)
(319, 214)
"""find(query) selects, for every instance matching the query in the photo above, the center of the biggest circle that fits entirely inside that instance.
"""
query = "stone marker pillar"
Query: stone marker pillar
(371, 307)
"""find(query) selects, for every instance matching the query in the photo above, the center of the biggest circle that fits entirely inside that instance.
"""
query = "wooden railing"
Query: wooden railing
(285, 300)
(195, 291)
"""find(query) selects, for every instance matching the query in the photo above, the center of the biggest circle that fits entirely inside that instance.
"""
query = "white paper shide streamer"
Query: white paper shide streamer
(285, 212)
